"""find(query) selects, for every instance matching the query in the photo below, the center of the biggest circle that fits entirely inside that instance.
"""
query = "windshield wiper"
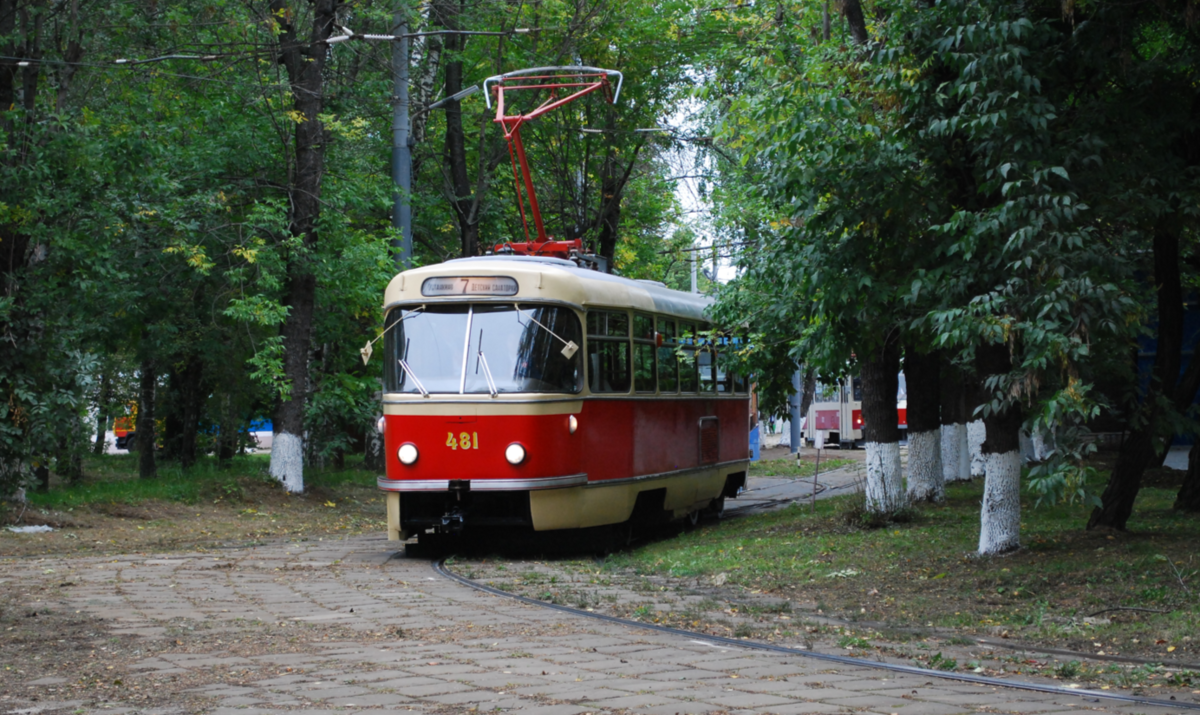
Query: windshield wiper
(487, 373)
(570, 347)
(409, 371)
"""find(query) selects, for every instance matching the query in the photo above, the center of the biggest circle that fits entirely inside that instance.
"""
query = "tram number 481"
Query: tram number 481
(463, 441)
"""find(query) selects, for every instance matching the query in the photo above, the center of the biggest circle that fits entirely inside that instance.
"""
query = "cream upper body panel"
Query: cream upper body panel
(547, 279)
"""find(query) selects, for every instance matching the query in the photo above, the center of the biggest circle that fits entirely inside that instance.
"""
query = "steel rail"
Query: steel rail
(440, 568)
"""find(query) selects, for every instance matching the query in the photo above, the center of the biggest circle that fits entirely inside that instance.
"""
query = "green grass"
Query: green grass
(787, 467)
(925, 572)
(113, 479)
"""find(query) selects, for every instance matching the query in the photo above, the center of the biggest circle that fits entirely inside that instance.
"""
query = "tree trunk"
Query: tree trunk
(852, 10)
(69, 463)
(922, 372)
(1140, 448)
(612, 189)
(41, 473)
(976, 430)
(458, 181)
(146, 436)
(1188, 498)
(305, 64)
(956, 453)
(880, 380)
(191, 395)
(102, 415)
(227, 439)
(1000, 520)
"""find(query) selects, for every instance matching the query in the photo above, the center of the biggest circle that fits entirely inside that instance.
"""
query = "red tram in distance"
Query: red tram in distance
(527, 392)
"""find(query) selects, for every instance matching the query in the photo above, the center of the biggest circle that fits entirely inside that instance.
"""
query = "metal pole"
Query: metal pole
(402, 248)
(794, 410)
(694, 274)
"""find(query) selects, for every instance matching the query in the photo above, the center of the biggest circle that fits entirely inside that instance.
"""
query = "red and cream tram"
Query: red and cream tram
(525, 391)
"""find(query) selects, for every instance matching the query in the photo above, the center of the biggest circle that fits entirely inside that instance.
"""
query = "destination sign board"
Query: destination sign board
(469, 285)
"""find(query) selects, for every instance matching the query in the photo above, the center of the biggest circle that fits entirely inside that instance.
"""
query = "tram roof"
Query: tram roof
(544, 278)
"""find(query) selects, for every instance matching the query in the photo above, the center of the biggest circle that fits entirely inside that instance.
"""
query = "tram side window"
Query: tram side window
(689, 374)
(643, 354)
(724, 377)
(706, 362)
(608, 351)
(738, 379)
(668, 362)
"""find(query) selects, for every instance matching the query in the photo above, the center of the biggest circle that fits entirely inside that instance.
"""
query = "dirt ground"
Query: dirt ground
(76, 656)
(259, 511)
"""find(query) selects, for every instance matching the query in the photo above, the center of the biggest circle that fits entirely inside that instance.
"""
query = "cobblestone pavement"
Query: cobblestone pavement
(349, 625)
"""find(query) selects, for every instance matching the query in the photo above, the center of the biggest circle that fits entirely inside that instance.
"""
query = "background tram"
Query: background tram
(836, 412)
(530, 393)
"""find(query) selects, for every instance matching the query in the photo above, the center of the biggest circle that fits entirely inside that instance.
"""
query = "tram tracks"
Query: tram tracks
(442, 570)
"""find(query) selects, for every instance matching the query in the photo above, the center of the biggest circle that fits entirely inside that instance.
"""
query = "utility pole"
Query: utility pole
(794, 416)
(402, 247)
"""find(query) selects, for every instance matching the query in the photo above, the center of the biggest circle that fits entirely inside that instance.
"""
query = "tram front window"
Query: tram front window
(452, 348)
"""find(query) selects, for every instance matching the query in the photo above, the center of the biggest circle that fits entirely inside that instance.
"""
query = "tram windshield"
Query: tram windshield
(456, 349)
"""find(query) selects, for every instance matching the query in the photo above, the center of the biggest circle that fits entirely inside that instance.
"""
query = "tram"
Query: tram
(529, 392)
(532, 390)
(836, 412)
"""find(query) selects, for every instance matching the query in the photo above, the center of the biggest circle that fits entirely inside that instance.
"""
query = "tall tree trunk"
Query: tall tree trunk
(808, 392)
(613, 178)
(1188, 498)
(1000, 519)
(191, 396)
(458, 181)
(41, 473)
(852, 10)
(922, 373)
(305, 64)
(145, 428)
(228, 437)
(976, 430)
(956, 453)
(1141, 446)
(102, 412)
(68, 464)
(425, 59)
(880, 370)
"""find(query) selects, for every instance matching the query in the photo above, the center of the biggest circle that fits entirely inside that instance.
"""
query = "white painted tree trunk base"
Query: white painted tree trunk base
(926, 481)
(976, 434)
(1041, 450)
(1000, 520)
(287, 461)
(885, 478)
(1027, 452)
(956, 461)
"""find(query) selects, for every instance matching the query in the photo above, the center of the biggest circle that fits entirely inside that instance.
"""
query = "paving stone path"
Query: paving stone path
(347, 625)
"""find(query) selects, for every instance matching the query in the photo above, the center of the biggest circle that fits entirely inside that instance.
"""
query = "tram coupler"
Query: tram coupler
(460, 487)
(452, 521)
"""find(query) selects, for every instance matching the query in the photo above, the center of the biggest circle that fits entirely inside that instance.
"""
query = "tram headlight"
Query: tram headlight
(572, 424)
(407, 453)
(515, 453)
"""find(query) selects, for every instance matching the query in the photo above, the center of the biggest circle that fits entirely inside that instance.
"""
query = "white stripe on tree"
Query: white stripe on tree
(956, 458)
(1027, 453)
(925, 478)
(287, 461)
(976, 434)
(885, 478)
(1000, 521)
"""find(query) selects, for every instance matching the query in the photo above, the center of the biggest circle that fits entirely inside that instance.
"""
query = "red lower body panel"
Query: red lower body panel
(615, 439)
